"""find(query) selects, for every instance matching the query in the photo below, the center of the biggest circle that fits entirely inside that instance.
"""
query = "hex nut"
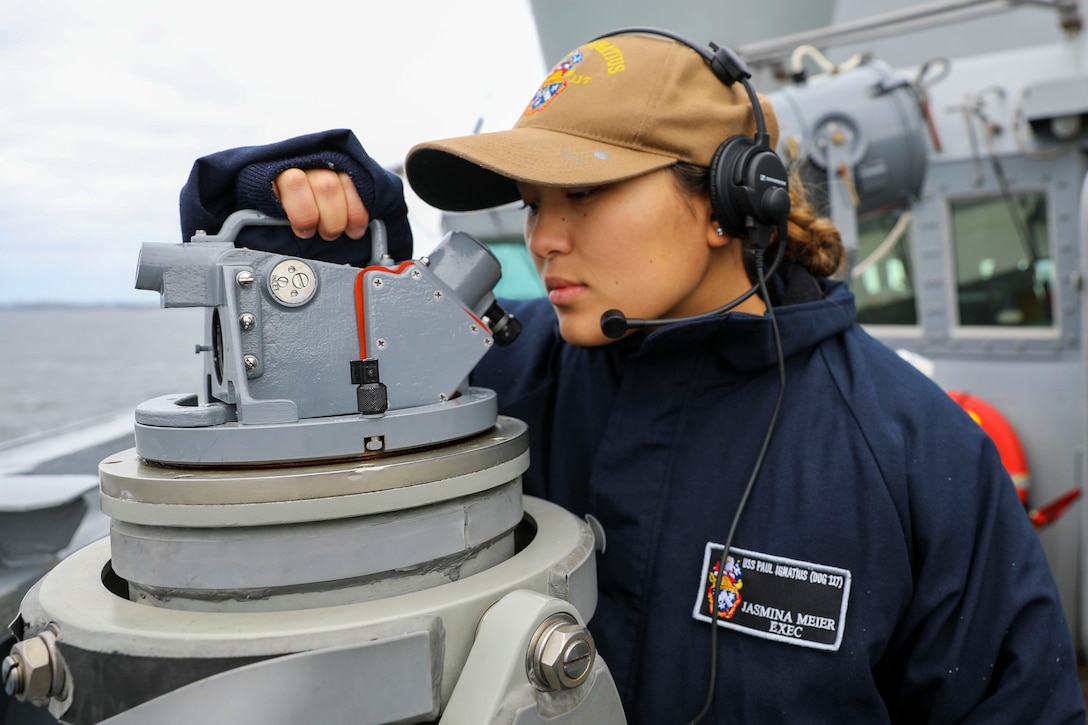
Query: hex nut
(561, 655)
(35, 666)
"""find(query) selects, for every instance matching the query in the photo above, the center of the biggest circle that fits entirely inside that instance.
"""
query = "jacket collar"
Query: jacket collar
(808, 311)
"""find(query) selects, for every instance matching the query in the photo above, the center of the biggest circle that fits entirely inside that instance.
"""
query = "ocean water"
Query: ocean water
(67, 365)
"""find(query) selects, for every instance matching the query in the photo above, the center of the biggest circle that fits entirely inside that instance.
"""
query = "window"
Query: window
(1004, 272)
(881, 278)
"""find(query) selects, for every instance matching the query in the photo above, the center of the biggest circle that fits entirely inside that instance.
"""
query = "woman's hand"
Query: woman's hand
(322, 201)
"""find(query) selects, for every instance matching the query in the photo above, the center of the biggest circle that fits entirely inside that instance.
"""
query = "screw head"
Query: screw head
(11, 676)
(561, 654)
(247, 321)
(250, 362)
(576, 660)
(244, 278)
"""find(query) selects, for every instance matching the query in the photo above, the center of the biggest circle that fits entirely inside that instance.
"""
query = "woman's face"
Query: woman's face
(640, 246)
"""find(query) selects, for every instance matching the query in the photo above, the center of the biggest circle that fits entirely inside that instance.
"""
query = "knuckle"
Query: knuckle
(324, 183)
(291, 180)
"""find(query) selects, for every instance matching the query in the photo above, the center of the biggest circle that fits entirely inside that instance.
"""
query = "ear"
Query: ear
(716, 237)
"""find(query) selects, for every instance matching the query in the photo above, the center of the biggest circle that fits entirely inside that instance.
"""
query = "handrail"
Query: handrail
(897, 22)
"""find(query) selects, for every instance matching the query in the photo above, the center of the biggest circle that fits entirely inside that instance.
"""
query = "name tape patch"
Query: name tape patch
(773, 597)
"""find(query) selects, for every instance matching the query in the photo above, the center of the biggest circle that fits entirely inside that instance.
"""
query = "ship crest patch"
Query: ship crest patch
(555, 83)
(773, 597)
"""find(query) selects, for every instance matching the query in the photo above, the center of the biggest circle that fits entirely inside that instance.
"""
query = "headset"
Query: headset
(749, 187)
(749, 194)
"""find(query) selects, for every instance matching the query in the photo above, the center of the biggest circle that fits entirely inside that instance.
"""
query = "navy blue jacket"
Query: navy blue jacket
(952, 613)
(884, 569)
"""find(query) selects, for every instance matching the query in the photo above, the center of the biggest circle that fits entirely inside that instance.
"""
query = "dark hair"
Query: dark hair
(813, 241)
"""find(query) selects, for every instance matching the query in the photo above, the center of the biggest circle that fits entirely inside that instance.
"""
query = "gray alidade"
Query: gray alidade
(308, 360)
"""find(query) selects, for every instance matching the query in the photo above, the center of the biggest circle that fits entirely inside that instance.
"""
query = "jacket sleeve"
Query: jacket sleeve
(984, 638)
(241, 178)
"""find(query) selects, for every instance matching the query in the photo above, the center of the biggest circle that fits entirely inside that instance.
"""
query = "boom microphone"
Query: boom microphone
(614, 324)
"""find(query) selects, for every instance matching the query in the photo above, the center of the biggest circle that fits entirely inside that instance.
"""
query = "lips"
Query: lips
(562, 291)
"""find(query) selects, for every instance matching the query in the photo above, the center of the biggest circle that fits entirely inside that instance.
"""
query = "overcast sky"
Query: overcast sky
(104, 106)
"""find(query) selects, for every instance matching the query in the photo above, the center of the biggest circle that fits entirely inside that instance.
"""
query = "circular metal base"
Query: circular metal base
(310, 536)
(127, 649)
(141, 493)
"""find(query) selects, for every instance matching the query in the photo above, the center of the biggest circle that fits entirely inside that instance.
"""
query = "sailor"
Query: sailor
(880, 566)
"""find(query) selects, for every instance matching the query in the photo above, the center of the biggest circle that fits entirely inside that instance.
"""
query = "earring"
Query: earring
(720, 232)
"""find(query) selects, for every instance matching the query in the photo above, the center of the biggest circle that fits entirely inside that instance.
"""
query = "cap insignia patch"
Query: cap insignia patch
(555, 83)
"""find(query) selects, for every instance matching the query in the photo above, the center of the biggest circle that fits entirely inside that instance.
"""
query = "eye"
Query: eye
(581, 194)
(531, 206)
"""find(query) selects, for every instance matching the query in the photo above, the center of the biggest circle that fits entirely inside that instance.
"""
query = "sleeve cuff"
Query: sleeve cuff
(254, 186)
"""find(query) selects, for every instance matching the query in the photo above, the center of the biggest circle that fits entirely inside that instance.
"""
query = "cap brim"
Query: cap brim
(481, 171)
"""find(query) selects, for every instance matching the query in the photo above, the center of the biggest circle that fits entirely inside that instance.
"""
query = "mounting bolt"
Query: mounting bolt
(33, 669)
(250, 362)
(561, 654)
(247, 321)
(11, 675)
(244, 278)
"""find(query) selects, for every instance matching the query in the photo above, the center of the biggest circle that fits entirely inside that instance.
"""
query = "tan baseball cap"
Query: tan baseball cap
(615, 108)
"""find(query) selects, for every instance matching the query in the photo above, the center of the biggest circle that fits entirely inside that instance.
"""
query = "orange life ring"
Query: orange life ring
(1003, 436)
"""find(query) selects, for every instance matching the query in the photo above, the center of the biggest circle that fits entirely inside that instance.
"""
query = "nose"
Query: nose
(546, 231)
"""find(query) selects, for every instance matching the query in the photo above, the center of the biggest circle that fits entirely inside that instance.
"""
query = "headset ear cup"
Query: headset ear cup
(730, 207)
(769, 184)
